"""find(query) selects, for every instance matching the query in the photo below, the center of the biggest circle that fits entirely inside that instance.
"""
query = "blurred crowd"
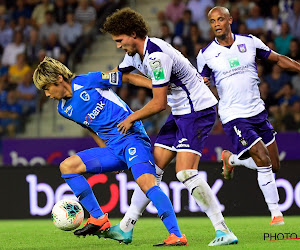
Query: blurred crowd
(32, 29)
(29, 31)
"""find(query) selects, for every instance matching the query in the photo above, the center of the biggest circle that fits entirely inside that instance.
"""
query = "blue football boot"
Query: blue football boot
(224, 238)
(116, 233)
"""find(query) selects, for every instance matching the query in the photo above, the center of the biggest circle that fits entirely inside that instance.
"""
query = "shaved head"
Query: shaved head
(224, 10)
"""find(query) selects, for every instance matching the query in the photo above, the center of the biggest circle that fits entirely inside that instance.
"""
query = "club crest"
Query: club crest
(242, 48)
(132, 151)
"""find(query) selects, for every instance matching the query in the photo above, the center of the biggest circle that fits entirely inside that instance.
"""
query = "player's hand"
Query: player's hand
(206, 81)
(125, 125)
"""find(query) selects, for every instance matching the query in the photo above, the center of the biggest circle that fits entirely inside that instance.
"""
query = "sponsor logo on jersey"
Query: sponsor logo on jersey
(105, 75)
(157, 69)
(69, 110)
(132, 151)
(113, 78)
(96, 111)
(84, 96)
(234, 62)
(242, 48)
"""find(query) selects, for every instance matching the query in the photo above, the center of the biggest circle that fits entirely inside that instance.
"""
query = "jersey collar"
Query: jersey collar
(145, 45)
(233, 36)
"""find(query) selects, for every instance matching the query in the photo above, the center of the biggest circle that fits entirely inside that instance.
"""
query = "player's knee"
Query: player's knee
(71, 165)
(261, 157)
(183, 175)
(265, 160)
(65, 167)
(146, 181)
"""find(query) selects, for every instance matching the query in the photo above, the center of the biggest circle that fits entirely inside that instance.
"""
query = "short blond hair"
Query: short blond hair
(47, 72)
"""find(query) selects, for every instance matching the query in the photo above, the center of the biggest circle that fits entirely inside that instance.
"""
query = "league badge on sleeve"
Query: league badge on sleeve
(157, 69)
(113, 78)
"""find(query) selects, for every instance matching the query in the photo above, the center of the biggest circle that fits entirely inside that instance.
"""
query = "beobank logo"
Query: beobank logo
(117, 193)
(53, 157)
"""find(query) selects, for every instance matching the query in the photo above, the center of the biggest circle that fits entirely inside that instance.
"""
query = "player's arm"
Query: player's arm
(97, 139)
(137, 80)
(284, 62)
(157, 104)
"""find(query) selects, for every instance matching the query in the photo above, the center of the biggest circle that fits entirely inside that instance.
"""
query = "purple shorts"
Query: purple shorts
(187, 133)
(246, 132)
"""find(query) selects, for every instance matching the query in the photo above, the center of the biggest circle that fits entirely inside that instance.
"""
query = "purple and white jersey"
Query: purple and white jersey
(235, 74)
(167, 66)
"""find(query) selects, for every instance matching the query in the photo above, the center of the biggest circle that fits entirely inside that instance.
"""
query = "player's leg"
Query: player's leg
(163, 155)
(252, 136)
(139, 200)
(192, 132)
(144, 174)
(274, 156)
(266, 181)
(187, 173)
(89, 161)
(123, 231)
(233, 129)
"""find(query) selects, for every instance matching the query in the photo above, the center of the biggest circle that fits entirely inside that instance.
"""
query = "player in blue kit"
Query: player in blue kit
(89, 101)
(230, 59)
(175, 82)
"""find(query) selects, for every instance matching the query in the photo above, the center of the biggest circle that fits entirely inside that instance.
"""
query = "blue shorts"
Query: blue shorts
(246, 132)
(187, 133)
(119, 156)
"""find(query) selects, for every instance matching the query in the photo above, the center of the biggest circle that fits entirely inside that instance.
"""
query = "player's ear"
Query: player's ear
(133, 35)
(60, 79)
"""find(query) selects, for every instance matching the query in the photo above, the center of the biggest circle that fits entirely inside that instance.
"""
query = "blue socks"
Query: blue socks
(84, 193)
(165, 209)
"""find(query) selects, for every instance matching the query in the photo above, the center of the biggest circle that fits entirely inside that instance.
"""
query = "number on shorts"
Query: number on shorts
(237, 131)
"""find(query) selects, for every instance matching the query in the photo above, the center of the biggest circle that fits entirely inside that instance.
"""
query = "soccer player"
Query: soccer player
(176, 83)
(89, 101)
(230, 59)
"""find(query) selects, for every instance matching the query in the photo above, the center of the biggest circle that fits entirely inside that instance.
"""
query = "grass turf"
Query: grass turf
(41, 234)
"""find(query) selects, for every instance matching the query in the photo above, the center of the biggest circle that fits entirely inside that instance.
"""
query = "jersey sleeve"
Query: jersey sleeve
(160, 68)
(262, 50)
(126, 65)
(104, 80)
(202, 67)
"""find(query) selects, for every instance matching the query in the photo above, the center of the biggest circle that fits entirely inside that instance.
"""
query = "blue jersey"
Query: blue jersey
(95, 105)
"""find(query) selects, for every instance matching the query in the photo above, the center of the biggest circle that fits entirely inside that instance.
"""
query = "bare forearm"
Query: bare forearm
(288, 63)
(137, 80)
(150, 109)
(284, 62)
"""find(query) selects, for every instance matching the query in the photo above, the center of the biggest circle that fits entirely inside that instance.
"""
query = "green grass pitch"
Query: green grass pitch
(42, 234)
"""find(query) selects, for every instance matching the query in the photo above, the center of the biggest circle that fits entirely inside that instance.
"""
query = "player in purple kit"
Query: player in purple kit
(175, 82)
(230, 59)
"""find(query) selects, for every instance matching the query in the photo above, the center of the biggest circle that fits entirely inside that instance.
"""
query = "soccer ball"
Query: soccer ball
(67, 214)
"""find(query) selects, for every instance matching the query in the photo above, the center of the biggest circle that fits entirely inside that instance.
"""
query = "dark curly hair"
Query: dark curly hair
(126, 21)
